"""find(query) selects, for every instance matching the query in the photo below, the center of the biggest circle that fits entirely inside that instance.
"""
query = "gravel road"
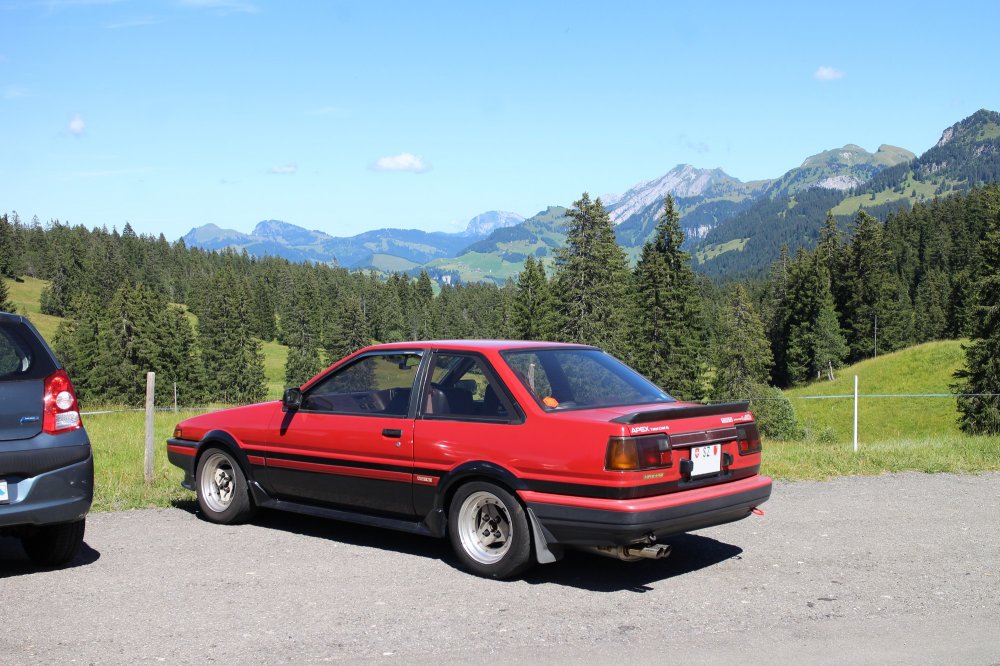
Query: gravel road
(896, 569)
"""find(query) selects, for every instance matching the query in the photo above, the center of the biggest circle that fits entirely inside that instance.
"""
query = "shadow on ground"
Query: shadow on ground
(13, 561)
(582, 570)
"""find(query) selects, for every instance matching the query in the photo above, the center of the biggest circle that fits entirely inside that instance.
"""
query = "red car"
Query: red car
(514, 450)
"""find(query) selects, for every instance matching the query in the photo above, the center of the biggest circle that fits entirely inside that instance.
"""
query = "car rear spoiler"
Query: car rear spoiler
(682, 412)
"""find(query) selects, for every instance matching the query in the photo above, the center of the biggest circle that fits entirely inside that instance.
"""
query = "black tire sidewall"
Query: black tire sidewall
(518, 558)
(54, 545)
(240, 509)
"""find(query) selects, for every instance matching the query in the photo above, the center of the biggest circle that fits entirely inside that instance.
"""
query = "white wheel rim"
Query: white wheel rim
(484, 527)
(218, 482)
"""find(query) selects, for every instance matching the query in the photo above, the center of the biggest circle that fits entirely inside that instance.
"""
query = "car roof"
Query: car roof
(478, 345)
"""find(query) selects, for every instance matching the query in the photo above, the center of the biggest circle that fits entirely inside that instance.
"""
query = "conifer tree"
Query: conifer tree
(533, 305)
(300, 330)
(421, 314)
(6, 248)
(980, 414)
(868, 287)
(349, 331)
(815, 341)
(591, 282)
(232, 357)
(668, 329)
(743, 358)
(6, 305)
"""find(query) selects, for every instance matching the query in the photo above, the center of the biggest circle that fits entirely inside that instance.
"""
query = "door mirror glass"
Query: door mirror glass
(292, 399)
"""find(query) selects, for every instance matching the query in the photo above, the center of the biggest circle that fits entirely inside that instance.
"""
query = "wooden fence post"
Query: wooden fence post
(148, 471)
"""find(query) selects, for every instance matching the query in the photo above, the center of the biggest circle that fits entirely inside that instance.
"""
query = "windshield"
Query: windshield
(580, 378)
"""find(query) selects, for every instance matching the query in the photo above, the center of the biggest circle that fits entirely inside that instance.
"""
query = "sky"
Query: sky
(351, 116)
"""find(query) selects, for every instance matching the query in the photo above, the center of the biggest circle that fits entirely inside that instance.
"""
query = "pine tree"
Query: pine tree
(743, 358)
(869, 289)
(6, 248)
(815, 341)
(980, 414)
(349, 330)
(668, 330)
(774, 315)
(300, 330)
(6, 305)
(591, 281)
(421, 314)
(232, 357)
(533, 305)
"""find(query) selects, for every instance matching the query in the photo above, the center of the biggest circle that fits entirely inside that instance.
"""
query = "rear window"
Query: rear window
(581, 378)
(21, 354)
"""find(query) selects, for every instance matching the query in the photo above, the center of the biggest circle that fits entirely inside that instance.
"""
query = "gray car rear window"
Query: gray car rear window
(21, 354)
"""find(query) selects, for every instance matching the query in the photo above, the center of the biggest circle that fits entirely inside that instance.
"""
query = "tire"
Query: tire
(488, 529)
(53, 545)
(222, 488)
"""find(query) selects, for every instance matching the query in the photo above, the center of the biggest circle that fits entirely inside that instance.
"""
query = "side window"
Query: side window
(460, 388)
(376, 384)
(529, 369)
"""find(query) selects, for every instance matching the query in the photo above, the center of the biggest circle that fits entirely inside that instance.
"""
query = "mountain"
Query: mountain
(683, 181)
(485, 223)
(501, 255)
(839, 169)
(966, 156)
(382, 249)
(732, 227)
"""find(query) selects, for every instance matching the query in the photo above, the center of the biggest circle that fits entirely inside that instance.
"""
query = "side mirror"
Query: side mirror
(292, 399)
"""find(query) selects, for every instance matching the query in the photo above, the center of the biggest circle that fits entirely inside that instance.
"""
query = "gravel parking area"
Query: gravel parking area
(893, 569)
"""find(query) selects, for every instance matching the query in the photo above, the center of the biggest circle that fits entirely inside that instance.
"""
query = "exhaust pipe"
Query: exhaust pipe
(632, 553)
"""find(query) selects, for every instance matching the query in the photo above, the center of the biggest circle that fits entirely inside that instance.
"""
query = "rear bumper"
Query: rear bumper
(48, 485)
(580, 521)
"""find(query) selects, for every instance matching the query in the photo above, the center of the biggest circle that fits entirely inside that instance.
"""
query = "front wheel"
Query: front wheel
(222, 488)
(489, 531)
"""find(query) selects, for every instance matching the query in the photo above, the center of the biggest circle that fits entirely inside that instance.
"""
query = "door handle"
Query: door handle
(391, 432)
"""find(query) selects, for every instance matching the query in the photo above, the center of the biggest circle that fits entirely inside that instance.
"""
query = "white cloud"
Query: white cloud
(77, 126)
(221, 6)
(402, 162)
(289, 168)
(825, 73)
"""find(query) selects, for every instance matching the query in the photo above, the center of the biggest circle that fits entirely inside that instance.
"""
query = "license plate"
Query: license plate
(706, 459)
(4, 497)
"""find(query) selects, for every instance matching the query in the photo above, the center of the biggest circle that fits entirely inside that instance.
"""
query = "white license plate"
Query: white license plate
(706, 459)
(4, 497)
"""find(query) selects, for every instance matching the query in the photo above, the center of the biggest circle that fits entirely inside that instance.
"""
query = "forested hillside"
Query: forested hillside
(134, 303)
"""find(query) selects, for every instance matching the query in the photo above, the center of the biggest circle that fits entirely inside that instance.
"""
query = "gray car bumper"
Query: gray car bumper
(49, 484)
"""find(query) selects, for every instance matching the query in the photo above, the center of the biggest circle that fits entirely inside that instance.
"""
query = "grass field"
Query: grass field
(924, 369)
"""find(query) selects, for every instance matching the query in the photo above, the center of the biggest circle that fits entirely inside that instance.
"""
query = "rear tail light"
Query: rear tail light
(60, 412)
(748, 439)
(635, 453)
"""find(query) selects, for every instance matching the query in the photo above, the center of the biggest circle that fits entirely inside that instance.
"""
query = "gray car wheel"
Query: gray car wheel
(489, 531)
(222, 488)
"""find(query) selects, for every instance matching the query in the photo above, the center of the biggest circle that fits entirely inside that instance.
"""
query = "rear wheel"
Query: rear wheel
(489, 531)
(52, 545)
(222, 488)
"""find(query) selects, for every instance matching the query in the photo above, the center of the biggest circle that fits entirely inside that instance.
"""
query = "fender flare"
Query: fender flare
(220, 439)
